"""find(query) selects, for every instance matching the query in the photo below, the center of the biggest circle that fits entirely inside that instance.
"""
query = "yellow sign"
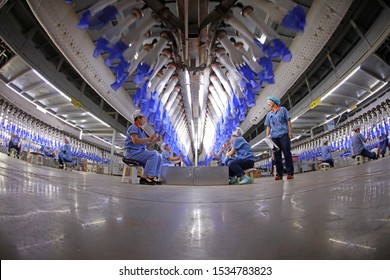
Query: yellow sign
(315, 103)
(76, 103)
(353, 108)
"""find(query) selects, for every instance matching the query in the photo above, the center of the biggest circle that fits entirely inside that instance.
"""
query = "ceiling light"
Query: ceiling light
(96, 118)
(340, 83)
(52, 86)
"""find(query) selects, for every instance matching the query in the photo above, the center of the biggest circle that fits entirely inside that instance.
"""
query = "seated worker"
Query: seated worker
(167, 158)
(383, 143)
(357, 144)
(135, 145)
(326, 153)
(47, 151)
(65, 154)
(244, 159)
(14, 143)
(221, 156)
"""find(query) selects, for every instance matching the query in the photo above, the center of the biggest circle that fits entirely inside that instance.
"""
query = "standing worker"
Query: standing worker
(279, 128)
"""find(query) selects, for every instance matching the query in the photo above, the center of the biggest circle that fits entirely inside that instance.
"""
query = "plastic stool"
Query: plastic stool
(324, 166)
(133, 164)
(36, 158)
(359, 160)
(13, 153)
(250, 172)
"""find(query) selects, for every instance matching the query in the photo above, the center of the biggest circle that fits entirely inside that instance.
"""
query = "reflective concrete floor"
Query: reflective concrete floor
(47, 213)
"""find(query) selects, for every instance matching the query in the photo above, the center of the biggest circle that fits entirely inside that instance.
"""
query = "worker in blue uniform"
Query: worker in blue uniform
(135, 144)
(279, 128)
(244, 159)
(14, 143)
(65, 154)
(326, 153)
(167, 157)
(358, 147)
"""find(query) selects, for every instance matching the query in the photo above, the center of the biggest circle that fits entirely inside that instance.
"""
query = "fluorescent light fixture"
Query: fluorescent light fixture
(101, 139)
(48, 112)
(124, 136)
(41, 109)
(262, 140)
(335, 117)
(52, 86)
(81, 135)
(294, 119)
(340, 83)
(96, 118)
(372, 93)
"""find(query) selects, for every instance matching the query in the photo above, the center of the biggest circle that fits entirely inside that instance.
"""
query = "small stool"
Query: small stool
(133, 164)
(36, 158)
(250, 172)
(68, 164)
(13, 153)
(359, 160)
(324, 166)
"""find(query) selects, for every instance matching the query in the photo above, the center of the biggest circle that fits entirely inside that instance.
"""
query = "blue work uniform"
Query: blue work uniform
(277, 120)
(358, 147)
(65, 155)
(165, 155)
(244, 159)
(138, 152)
(326, 154)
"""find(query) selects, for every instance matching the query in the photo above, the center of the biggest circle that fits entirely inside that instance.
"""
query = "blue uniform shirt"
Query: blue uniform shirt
(15, 140)
(165, 158)
(357, 143)
(326, 153)
(277, 120)
(132, 148)
(67, 152)
(243, 150)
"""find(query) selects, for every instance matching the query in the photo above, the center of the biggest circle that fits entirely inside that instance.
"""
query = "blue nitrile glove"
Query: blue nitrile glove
(295, 19)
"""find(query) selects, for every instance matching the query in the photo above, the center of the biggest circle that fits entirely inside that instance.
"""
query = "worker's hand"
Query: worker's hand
(290, 135)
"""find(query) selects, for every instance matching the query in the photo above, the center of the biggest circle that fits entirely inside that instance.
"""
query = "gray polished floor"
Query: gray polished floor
(47, 213)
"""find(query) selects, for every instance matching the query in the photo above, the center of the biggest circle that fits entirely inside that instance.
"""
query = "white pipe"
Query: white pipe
(166, 76)
(168, 90)
(162, 60)
(172, 98)
(115, 33)
(186, 30)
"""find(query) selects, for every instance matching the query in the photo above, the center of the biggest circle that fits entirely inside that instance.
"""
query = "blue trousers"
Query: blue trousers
(330, 161)
(284, 143)
(367, 153)
(151, 160)
(237, 166)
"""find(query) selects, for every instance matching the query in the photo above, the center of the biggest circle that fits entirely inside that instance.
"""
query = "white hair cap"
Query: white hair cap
(67, 140)
(163, 145)
(356, 127)
(237, 132)
(136, 114)
(325, 140)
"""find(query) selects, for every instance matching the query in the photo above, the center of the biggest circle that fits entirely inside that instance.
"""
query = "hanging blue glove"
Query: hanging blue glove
(295, 19)
(116, 52)
(277, 49)
(101, 46)
(117, 84)
(268, 72)
(247, 72)
(142, 71)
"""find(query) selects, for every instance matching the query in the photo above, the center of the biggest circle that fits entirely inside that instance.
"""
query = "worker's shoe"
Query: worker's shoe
(277, 178)
(156, 181)
(146, 181)
(290, 177)
(233, 181)
(245, 180)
